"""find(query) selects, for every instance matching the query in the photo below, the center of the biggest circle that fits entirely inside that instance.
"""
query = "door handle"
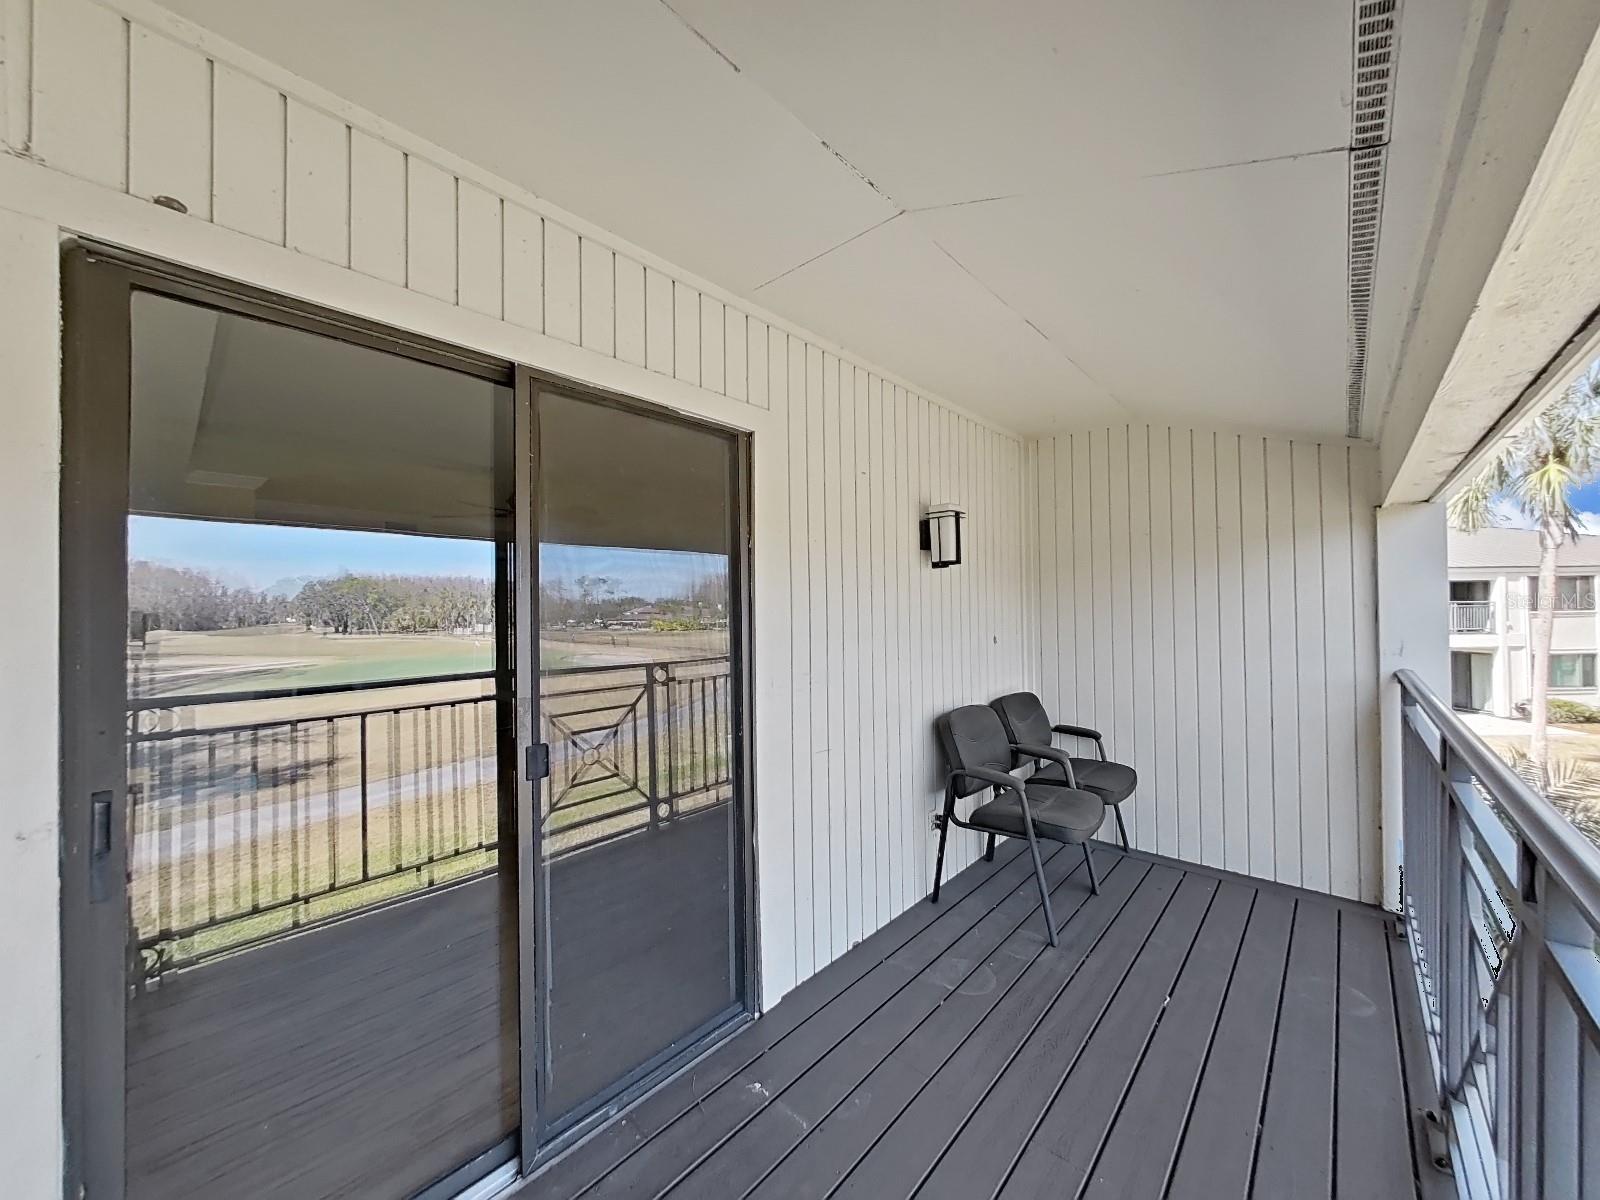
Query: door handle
(99, 846)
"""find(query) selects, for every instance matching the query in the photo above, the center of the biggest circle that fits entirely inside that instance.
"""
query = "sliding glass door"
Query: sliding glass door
(403, 785)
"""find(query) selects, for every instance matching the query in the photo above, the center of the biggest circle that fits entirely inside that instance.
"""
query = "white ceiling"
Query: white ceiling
(1054, 213)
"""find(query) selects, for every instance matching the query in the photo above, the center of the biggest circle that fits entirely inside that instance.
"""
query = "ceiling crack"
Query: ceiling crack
(864, 177)
(831, 249)
(1249, 162)
(712, 46)
(963, 203)
(1004, 303)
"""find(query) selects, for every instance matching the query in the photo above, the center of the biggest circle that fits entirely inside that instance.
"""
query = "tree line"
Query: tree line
(180, 598)
(183, 599)
(598, 599)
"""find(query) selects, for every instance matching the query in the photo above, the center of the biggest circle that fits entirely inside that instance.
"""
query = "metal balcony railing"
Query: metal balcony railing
(1501, 900)
(1471, 616)
(248, 821)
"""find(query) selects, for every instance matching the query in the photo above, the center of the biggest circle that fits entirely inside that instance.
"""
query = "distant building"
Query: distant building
(639, 618)
(1493, 583)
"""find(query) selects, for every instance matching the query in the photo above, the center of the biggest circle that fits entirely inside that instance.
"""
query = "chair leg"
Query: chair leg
(1088, 861)
(988, 853)
(938, 863)
(1121, 828)
(1044, 890)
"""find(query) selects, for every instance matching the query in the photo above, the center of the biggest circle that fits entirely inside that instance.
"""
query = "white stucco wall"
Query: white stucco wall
(1412, 634)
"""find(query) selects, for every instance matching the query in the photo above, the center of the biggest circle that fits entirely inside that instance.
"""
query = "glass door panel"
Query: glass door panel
(639, 829)
(322, 994)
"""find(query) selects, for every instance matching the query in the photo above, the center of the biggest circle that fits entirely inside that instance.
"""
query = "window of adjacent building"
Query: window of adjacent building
(1572, 671)
(1573, 593)
(1470, 591)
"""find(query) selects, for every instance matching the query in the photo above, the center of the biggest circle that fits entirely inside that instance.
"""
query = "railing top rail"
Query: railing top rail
(636, 666)
(186, 700)
(1566, 853)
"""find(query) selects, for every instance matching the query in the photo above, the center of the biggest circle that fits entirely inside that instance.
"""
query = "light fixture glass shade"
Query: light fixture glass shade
(941, 534)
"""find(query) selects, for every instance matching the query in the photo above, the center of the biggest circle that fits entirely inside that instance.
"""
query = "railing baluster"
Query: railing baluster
(1559, 1104)
(477, 765)
(211, 829)
(651, 747)
(331, 804)
(294, 819)
(393, 792)
(238, 832)
(366, 838)
(460, 839)
(255, 820)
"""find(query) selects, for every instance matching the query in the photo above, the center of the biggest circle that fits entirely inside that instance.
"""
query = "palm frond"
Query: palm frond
(1536, 469)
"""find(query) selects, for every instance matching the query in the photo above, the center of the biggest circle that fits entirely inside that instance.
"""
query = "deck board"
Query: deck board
(1295, 1157)
(1195, 1031)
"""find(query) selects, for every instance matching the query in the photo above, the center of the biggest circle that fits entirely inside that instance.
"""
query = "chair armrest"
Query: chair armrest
(1050, 752)
(991, 776)
(1083, 731)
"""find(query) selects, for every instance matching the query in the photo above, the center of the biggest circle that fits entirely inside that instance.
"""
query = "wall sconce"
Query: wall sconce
(941, 534)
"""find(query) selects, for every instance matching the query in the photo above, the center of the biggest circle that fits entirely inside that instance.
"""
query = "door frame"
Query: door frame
(98, 282)
(541, 1140)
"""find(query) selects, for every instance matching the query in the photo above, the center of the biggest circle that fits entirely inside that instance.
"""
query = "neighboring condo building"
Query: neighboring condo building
(1493, 581)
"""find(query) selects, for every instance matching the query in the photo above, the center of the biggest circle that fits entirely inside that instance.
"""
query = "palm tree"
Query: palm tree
(1535, 472)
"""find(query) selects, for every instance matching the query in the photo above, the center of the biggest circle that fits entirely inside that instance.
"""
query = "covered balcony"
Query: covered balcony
(505, 494)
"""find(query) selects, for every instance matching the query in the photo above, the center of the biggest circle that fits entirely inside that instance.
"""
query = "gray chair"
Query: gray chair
(978, 753)
(1029, 730)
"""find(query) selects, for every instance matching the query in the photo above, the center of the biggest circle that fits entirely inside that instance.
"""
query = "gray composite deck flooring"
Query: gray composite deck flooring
(1195, 1034)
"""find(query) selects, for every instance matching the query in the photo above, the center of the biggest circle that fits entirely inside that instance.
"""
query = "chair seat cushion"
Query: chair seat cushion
(1112, 782)
(1060, 814)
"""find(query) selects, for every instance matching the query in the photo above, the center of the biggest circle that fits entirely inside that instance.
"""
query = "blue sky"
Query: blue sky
(1585, 499)
(260, 556)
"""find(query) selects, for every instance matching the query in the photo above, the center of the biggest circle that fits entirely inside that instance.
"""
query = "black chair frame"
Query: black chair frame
(1095, 736)
(1001, 780)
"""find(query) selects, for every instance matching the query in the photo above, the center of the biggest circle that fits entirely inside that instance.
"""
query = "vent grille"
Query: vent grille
(1374, 71)
(1373, 61)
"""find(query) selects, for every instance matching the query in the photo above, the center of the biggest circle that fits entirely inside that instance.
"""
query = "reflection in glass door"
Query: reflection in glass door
(640, 831)
(321, 991)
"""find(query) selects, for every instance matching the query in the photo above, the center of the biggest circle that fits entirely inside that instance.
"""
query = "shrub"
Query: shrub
(1570, 712)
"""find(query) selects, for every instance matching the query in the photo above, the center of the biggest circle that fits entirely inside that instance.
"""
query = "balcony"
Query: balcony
(1471, 616)
(1196, 1033)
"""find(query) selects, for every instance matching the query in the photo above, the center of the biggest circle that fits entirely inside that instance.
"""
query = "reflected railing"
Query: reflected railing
(251, 818)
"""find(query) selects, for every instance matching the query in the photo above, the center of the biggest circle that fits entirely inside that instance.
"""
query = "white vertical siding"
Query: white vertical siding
(1207, 602)
(169, 122)
(431, 230)
(317, 199)
(127, 96)
(859, 644)
(247, 184)
(378, 233)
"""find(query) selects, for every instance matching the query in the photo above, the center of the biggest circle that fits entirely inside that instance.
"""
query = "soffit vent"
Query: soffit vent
(1376, 44)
